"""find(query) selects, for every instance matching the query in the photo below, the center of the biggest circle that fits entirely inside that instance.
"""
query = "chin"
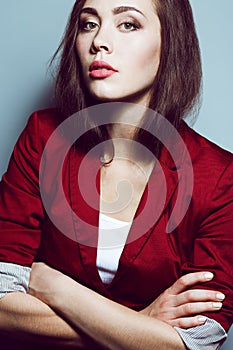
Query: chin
(106, 98)
(141, 97)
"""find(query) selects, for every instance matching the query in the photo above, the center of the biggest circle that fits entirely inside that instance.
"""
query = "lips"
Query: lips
(101, 70)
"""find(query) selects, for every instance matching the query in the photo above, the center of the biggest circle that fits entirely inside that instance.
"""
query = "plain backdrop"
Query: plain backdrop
(30, 31)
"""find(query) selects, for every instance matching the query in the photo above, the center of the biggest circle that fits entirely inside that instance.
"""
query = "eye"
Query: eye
(129, 26)
(88, 26)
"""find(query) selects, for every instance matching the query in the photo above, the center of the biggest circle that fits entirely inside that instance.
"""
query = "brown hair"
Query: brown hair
(177, 86)
(176, 89)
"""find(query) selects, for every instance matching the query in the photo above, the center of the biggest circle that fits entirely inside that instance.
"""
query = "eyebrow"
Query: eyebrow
(122, 9)
(116, 11)
(89, 10)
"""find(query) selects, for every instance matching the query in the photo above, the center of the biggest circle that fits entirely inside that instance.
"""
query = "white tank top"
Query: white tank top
(111, 241)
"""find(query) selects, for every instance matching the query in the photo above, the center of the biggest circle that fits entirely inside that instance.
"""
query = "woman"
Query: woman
(141, 54)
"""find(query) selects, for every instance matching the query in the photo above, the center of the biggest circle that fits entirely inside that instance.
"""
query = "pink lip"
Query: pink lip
(101, 70)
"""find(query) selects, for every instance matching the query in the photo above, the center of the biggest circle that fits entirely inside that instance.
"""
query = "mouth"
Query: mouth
(100, 70)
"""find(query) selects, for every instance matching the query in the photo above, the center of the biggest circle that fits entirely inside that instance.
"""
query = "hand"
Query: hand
(180, 307)
(45, 282)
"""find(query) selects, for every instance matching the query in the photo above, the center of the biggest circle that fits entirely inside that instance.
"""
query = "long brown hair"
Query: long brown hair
(177, 85)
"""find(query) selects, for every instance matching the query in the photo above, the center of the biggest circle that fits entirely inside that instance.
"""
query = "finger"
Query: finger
(196, 308)
(189, 280)
(197, 295)
(188, 322)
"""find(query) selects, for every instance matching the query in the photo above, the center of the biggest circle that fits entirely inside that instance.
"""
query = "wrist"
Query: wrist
(145, 311)
(62, 290)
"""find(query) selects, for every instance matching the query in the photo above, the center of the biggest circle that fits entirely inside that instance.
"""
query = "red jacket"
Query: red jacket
(151, 261)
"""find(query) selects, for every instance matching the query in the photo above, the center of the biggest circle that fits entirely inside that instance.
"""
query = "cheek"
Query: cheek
(152, 60)
(82, 49)
(152, 52)
(147, 62)
(146, 56)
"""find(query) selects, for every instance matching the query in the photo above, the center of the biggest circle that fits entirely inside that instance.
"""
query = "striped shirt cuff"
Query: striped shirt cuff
(208, 336)
(13, 278)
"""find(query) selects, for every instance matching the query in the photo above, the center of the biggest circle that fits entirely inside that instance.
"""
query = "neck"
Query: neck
(126, 118)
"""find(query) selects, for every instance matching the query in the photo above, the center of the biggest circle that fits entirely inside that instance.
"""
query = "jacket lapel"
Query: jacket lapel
(154, 202)
(84, 190)
(171, 181)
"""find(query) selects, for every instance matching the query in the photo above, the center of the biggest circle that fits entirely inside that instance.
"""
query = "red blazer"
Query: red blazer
(153, 260)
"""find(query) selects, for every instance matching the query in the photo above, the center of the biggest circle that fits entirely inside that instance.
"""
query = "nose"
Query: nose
(102, 41)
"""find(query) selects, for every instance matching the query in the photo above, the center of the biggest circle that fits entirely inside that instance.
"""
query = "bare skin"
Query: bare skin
(178, 306)
(28, 321)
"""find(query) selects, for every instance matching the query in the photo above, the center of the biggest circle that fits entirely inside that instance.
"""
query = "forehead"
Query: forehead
(145, 6)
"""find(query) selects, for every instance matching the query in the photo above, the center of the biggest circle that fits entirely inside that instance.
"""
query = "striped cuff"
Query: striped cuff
(208, 336)
(13, 278)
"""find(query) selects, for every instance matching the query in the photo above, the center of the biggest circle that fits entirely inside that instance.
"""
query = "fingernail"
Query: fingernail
(217, 305)
(201, 319)
(220, 296)
(208, 275)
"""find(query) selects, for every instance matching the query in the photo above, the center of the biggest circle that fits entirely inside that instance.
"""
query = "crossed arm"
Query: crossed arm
(66, 313)
(26, 319)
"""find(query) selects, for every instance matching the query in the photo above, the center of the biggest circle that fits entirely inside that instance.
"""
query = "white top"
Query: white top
(113, 234)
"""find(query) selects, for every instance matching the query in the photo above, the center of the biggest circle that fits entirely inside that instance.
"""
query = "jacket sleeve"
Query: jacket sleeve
(212, 248)
(21, 209)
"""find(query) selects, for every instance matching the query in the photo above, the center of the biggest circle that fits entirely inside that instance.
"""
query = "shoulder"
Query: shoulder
(206, 156)
(47, 119)
(40, 125)
(212, 168)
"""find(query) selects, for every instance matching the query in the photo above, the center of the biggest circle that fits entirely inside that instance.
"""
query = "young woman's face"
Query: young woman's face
(119, 45)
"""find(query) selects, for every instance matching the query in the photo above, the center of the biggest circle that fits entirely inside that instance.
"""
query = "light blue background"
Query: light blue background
(30, 31)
